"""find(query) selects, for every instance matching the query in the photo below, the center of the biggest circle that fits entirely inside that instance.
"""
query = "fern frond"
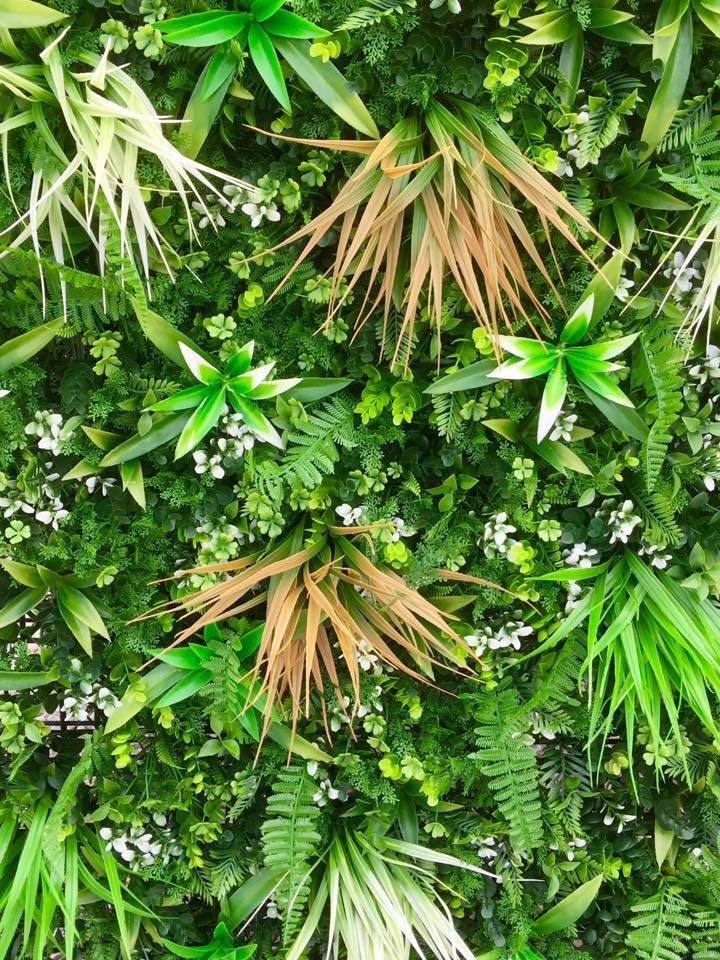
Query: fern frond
(507, 759)
(660, 928)
(663, 366)
(290, 841)
(374, 11)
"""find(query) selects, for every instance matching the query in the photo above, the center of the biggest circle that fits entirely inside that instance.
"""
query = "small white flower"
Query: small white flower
(261, 211)
(495, 535)
(622, 291)
(653, 551)
(103, 484)
(205, 464)
(349, 515)
(580, 555)
(622, 522)
(564, 425)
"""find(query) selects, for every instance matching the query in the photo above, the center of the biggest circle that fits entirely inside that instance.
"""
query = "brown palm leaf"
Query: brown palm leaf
(317, 592)
(435, 199)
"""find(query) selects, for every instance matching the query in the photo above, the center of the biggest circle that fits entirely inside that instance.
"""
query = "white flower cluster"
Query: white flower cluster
(509, 634)
(326, 791)
(42, 502)
(341, 714)
(48, 428)
(579, 555)
(350, 516)
(621, 521)
(80, 708)
(707, 369)
(572, 136)
(654, 553)
(576, 843)
(495, 535)
(565, 424)
(138, 846)
(226, 450)
(684, 277)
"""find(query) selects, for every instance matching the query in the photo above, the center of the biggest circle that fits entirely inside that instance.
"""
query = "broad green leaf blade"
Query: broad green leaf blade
(552, 399)
(624, 418)
(268, 66)
(549, 28)
(26, 14)
(82, 608)
(255, 420)
(262, 9)
(250, 896)
(28, 680)
(559, 456)
(283, 736)
(25, 574)
(526, 347)
(164, 429)
(18, 606)
(669, 92)
(524, 369)
(186, 687)
(569, 910)
(315, 388)
(240, 361)
(579, 323)
(144, 694)
(220, 70)
(156, 328)
(186, 399)
(290, 25)
(203, 29)
(273, 388)
(201, 422)
(326, 82)
(200, 114)
(131, 475)
(20, 349)
(602, 384)
(471, 377)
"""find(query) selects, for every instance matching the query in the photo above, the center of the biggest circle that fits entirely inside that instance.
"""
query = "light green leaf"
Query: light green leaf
(549, 28)
(472, 377)
(552, 399)
(203, 29)
(199, 366)
(255, 419)
(24, 573)
(524, 369)
(579, 323)
(262, 9)
(158, 331)
(669, 92)
(266, 61)
(81, 608)
(622, 417)
(201, 422)
(18, 606)
(602, 384)
(315, 388)
(527, 347)
(164, 429)
(290, 25)
(19, 680)
(569, 910)
(240, 361)
(26, 14)
(327, 83)
(152, 686)
(186, 399)
(220, 69)
(20, 349)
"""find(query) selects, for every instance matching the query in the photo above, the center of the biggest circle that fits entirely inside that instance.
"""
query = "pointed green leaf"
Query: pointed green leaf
(131, 475)
(569, 910)
(602, 384)
(327, 83)
(579, 323)
(266, 61)
(81, 608)
(19, 680)
(26, 14)
(670, 90)
(19, 349)
(472, 377)
(290, 25)
(103, 439)
(315, 388)
(18, 606)
(201, 422)
(161, 333)
(245, 382)
(186, 399)
(240, 361)
(152, 686)
(24, 573)
(527, 347)
(273, 388)
(609, 348)
(199, 367)
(552, 399)
(220, 69)
(186, 687)
(524, 369)
(626, 419)
(262, 9)
(203, 29)
(164, 429)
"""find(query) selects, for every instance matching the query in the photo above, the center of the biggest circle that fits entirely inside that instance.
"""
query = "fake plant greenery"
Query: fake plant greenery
(359, 452)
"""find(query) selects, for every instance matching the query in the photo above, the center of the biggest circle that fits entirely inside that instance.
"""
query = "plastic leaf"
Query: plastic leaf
(267, 63)
(201, 422)
(472, 377)
(569, 910)
(327, 83)
(219, 70)
(25, 14)
(200, 368)
(203, 29)
(20, 349)
(240, 361)
(164, 429)
(579, 323)
(290, 25)
(524, 369)
(186, 399)
(552, 399)
(255, 420)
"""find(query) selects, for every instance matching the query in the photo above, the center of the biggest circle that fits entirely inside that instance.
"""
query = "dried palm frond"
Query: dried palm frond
(90, 173)
(432, 198)
(316, 592)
